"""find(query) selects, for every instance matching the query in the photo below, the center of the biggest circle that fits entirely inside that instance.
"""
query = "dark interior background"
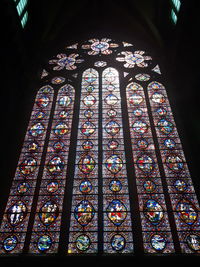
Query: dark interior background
(53, 23)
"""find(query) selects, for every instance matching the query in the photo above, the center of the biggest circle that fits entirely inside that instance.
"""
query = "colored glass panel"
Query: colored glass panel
(46, 228)
(180, 187)
(156, 230)
(116, 207)
(84, 210)
(15, 221)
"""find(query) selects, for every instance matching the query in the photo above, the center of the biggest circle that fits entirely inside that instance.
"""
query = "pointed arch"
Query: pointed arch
(15, 221)
(47, 222)
(116, 207)
(184, 202)
(153, 209)
(83, 235)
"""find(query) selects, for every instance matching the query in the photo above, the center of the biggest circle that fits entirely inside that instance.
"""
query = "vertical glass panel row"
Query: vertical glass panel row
(84, 210)
(117, 225)
(14, 225)
(47, 221)
(180, 187)
(156, 230)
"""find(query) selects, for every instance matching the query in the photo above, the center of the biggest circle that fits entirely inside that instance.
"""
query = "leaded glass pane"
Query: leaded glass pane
(15, 221)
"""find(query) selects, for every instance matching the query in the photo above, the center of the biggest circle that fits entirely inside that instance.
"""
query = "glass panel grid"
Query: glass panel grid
(83, 236)
(180, 187)
(46, 228)
(116, 208)
(16, 216)
(156, 230)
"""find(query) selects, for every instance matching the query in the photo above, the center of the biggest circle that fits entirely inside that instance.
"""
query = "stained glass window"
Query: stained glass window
(16, 217)
(21, 6)
(102, 170)
(84, 211)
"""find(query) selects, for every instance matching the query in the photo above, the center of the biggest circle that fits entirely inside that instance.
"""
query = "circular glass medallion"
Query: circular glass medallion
(112, 127)
(83, 242)
(174, 163)
(88, 113)
(88, 128)
(142, 143)
(180, 186)
(114, 164)
(110, 87)
(86, 164)
(169, 143)
(111, 100)
(85, 187)
(52, 187)
(16, 213)
(39, 115)
(58, 146)
(55, 166)
(135, 99)
(87, 145)
(118, 242)
(115, 186)
(137, 112)
(48, 212)
(158, 98)
(64, 101)
(116, 212)
(112, 113)
(145, 163)
(89, 100)
(165, 126)
(158, 242)
(9, 243)
(153, 211)
(63, 114)
(33, 146)
(149, 186)
(140, 127)
(61, 129)
(161, 111)
(113, 144)
(44, 243)
(90, 88)
(193, 242)
(28, 166)
(42, 101)
(187, 212)
(36, 129)
(84, 212)
(22, 188)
